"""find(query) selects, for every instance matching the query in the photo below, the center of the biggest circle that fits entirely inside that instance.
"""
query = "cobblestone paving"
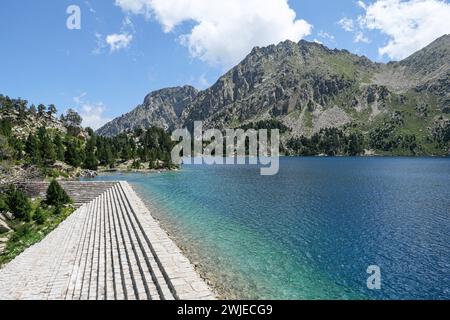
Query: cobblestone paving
(109, 249)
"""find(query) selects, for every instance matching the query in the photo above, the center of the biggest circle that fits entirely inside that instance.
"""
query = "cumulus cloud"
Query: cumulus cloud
(223, 32)
(355, 26)
(118, 41)
(92, 113)
(409, 24)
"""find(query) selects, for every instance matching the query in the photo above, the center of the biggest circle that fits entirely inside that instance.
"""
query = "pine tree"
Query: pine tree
(39, 216)
(18, 146)
(152, 160)
(355, 144)
(33, 109)
(32, 149)
(48, 153)
(41, 109)
(6, 127)
(52, 110)
(56, 195)
(104, 153)
(59, 147)
(126, 152)
(90, 161)
(74, 155)
(6, 152)
(18, 203)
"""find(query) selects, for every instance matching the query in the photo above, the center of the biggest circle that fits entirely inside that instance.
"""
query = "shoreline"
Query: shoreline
(11, 176)
(103, 171)
(172, 244)
(220, 293)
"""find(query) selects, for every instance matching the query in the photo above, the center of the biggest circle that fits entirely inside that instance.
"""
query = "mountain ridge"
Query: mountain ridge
(307, 87)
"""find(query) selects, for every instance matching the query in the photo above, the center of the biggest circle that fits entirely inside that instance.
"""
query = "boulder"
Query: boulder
(89, 174)
(4, 227)
(8, 215)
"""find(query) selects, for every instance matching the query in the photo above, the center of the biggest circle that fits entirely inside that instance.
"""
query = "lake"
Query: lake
(311, 231)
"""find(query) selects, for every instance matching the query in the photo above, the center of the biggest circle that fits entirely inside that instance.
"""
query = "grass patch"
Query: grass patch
(27, 234)
(308, 119)
(341, 65)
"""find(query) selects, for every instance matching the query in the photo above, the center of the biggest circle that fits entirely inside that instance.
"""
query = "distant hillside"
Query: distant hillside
(35, 145)
(398, 108)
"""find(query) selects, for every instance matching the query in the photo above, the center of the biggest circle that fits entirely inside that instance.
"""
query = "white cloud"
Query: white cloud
(325, 35)
(360, 37)
(410, 25)
(79, 98)
(92, 113)
(361, 4)
(118, 41)
(100, 44)
(347, 24)
(224, 31)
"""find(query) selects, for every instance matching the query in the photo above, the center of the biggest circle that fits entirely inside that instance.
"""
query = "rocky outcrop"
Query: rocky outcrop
(4, 227)
(161, 108)
(23, 124)
(7, 216)
(441, 130)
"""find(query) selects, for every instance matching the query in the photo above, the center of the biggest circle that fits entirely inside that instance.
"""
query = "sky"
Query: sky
(102, 57)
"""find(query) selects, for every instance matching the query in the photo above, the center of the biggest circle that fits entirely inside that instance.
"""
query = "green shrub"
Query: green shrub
(136, 165)
(58, 210)
(50, 173)
(21, 232)
(56, 196)
(3, 206)
(39, 216)
(18, 203)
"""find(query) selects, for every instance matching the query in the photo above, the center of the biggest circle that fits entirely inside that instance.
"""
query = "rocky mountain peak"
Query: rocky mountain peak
(162, 108)
(307, 87)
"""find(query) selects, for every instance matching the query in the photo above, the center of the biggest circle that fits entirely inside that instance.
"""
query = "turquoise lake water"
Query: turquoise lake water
(311, 231)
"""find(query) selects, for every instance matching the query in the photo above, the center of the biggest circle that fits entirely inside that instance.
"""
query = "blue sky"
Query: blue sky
(127, 48)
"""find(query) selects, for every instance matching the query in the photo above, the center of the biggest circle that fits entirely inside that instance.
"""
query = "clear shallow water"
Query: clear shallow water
(311, 231)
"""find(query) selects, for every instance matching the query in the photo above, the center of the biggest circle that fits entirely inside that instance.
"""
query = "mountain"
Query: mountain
(308, 87)
(425, 70)
(162, 108)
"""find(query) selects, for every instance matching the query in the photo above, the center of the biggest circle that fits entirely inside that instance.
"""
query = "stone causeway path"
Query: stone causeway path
(110, 248)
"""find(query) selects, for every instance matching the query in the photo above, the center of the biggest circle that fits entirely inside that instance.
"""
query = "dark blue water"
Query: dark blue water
(311, 231)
